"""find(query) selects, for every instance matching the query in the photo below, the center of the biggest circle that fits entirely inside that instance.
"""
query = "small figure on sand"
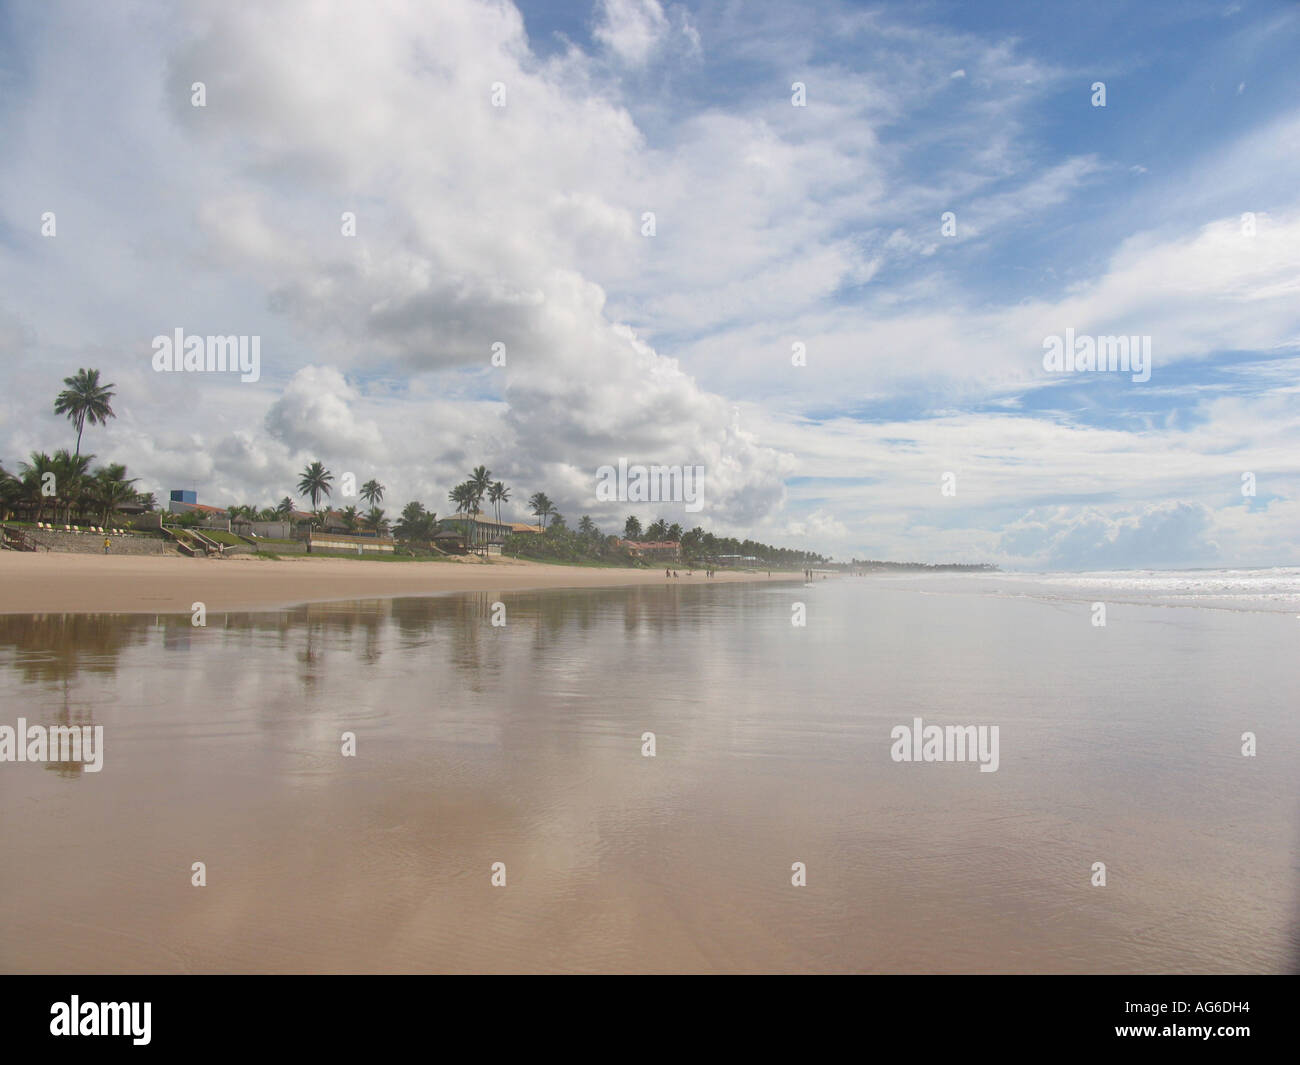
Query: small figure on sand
(107, 545)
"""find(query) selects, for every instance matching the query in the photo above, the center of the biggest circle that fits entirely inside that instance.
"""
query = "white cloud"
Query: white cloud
(314, 414)
(521, 225)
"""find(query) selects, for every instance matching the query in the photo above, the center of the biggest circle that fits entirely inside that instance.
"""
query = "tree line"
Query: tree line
(63, 484)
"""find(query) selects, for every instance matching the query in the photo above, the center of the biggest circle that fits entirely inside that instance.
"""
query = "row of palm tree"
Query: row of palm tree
(539, 503)
(656, 531)
(468, 496)
(316, 482)
(63, 484)
(59, 485)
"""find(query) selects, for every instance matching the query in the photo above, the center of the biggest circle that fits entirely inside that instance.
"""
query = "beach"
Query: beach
(523, 746)
(97, 584)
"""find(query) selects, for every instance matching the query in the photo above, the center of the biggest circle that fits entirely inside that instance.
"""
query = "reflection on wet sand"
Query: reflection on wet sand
(521, 743)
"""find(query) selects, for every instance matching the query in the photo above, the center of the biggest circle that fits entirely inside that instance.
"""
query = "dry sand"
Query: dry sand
(99, 584)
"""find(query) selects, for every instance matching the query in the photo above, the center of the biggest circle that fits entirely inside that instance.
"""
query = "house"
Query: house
(654, 550)
(182, 502)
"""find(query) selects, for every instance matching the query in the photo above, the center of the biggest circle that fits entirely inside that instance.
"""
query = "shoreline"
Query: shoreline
(138, 584)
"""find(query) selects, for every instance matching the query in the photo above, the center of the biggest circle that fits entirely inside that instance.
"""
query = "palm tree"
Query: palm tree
(10, 492)
(462, 496)
(35, 474)
(375, 519)
(498, 493)
(71, 473)
(675, 533)
(587, 528)
(657, 530)
(315, 483)
(416, 523)
(85, 400)
(110, 488)
(350, 516)
(632, 529)
(284, 508)
(540, 504)
(65, 472)
(372, 492)
(481, 481)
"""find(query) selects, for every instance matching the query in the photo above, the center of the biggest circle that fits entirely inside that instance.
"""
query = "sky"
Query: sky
(868, 222)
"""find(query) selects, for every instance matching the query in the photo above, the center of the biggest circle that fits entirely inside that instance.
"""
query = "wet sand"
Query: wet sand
(97, 584)
(523, 744)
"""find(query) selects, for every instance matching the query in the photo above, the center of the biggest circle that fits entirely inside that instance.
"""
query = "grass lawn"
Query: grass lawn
(223, 537)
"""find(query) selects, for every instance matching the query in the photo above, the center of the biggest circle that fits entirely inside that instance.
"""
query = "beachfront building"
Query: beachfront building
(477, 534)
(186, 502)
(462, 534)
(654, 550)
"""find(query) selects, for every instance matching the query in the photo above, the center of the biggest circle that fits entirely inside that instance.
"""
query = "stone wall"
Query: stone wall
(93, 543)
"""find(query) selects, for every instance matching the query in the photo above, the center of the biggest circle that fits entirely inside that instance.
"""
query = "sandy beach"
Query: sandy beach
(96, 584)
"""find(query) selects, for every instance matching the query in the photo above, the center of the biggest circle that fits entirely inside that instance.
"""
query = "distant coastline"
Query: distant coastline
(874, 566)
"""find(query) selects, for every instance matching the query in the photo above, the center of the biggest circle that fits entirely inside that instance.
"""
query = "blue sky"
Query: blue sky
(776, 225)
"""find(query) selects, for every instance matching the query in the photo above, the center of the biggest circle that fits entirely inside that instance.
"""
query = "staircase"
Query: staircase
(181, 545)
(17, 540)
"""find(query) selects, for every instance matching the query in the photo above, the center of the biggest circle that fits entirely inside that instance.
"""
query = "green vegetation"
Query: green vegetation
(416, 524)
(221, 537)
(699, 549)
(561, 544)
(62, 488)
(540, 504)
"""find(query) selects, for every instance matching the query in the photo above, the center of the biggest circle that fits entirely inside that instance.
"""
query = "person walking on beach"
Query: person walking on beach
(107, 544)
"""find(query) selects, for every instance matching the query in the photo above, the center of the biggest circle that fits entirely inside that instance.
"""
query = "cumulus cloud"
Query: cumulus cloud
(314, 414)
(1168, 534)
(632, 30)
(521, 225)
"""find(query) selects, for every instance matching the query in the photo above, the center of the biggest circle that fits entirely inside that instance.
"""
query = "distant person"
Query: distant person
(667, 572)
(107, 544)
